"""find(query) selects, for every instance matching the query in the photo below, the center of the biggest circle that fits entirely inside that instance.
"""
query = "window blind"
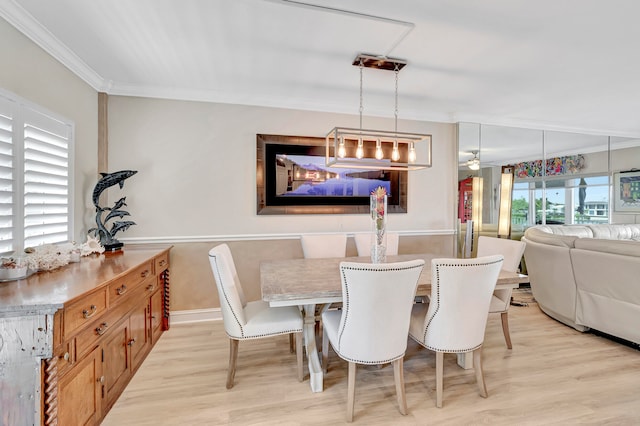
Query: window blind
(6, 176)
(35, 176)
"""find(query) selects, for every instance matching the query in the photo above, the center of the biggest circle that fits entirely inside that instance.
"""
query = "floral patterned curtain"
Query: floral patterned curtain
(555, 166)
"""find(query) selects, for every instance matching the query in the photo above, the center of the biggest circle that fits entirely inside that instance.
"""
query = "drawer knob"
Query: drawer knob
(131, 342)
(102, 329)
(66, 356)
(162, 262)
(101, 380)
(144, 273)
(89, 313)
(150, 287)
(121, 290)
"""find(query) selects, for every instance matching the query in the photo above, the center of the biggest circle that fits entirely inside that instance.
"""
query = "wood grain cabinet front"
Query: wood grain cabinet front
(156, 315)
(80, 393)
(102, 337)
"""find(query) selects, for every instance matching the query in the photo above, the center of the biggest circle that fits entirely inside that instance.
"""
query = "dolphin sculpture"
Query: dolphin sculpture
(107, 239)
(108, 180)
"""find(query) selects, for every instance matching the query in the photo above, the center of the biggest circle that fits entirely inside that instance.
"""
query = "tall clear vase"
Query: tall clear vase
(378, 227)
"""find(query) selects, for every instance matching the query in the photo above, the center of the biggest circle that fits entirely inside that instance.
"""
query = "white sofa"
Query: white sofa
(587, 276)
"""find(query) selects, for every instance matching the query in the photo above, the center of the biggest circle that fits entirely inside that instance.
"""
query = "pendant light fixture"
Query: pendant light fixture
(378, 149)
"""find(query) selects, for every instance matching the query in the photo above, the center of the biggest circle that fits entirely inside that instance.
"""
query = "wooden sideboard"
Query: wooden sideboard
(93, 324)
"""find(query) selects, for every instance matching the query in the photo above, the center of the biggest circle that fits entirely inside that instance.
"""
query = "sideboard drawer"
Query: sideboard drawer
(84, 311)
(161, 262)
(139, 274)
(122, 287)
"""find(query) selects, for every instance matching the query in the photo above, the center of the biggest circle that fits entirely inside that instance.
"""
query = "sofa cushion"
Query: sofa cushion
(538, 235)
(616, 232)
(626, 248)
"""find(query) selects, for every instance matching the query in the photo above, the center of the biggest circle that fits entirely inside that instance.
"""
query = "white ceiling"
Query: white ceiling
(570, 65)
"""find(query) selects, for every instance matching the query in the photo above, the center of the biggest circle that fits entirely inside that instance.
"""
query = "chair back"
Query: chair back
(232, 300)
(363, 243)
(511, 250)
(324, 245)
(376, 309)
(461, 292)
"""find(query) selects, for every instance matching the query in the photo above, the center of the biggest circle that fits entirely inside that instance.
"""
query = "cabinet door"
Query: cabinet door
(116, 361)
(157, 302)
(80, 392)
(139, 339)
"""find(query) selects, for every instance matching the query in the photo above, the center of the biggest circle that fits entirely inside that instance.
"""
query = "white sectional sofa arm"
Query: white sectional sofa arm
(551, 277)
(587, 276)
(607, 274)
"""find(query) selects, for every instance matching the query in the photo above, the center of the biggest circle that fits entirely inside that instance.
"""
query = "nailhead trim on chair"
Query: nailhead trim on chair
(346, 311)
(258, 336)
(359, 361)
(424, 336)
(243, 337)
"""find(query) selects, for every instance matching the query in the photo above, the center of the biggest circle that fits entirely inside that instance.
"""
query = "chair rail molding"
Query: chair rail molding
(254, 237)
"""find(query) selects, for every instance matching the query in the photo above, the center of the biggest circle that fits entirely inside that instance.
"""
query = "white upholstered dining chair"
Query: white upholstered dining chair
(249, 320)
(512, 252)
(363, 243)
(373, 324)
(454, 320)
(323, 245)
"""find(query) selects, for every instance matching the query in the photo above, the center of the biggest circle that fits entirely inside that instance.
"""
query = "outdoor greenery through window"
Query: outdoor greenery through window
(573, 200)
(35, 175)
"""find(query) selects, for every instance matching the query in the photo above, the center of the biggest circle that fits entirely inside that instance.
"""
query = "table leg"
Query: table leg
(465, 360)
(315, 369)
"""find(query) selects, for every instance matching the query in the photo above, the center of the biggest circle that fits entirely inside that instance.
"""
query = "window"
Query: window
(566, 201)
(35, 175)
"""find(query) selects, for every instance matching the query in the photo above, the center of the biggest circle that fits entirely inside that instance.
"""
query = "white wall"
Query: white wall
(196, 167)
(34, 75)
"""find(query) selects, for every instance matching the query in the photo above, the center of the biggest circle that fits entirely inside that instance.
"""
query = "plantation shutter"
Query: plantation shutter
(46, 179)
(7, 174)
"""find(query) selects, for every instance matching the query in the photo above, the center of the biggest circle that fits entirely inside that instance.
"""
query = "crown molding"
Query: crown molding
(270, 101)
(27, 25)
(538, 125)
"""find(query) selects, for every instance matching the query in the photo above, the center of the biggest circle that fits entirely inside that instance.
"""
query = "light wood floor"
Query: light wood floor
(553, 375)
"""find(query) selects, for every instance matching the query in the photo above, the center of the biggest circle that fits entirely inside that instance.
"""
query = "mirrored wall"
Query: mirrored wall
(558, 177)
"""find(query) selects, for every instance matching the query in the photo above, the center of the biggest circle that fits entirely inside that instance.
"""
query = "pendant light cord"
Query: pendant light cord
(361, 108)
(397, 71)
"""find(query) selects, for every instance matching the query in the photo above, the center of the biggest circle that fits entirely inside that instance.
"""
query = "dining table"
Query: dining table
(307, 283)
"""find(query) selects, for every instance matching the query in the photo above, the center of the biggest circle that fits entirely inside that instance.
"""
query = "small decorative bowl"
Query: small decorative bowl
(13, 273)
(13, 269)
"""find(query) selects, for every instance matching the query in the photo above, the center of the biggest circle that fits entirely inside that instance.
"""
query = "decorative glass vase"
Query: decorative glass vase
(379, 225)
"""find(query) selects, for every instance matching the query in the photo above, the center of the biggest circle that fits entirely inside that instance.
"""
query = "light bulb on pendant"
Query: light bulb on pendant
(342, 152)
(359, 150)
(412, 153)
(379, 154)
(395, 154)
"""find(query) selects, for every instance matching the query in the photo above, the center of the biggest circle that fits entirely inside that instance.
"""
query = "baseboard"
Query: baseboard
(195, 315)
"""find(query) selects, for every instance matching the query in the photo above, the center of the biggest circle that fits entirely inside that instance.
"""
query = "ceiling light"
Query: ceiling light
(474, 163)
(378, 149)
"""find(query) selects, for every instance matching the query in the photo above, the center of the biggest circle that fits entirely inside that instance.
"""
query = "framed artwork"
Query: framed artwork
(626, 191)
(292, 178)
